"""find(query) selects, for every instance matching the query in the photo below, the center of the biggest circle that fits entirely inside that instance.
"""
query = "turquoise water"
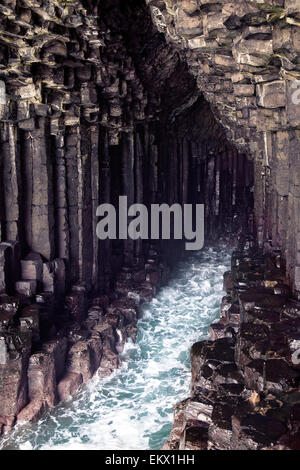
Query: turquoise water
(132, 409)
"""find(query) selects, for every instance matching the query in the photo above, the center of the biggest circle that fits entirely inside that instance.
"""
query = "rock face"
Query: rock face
(245, 379)
(160, 101)
(245, 59)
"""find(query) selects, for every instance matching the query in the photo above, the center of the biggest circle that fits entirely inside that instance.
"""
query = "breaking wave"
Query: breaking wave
(133, 408)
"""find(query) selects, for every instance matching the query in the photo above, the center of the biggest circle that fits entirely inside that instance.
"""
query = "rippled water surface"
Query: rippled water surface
(133, 408)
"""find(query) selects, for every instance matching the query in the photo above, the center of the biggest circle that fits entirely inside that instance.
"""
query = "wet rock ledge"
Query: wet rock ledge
(49, 346)
(245, 380)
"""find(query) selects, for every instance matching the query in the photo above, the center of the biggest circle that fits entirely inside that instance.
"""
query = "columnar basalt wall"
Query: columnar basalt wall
(98, 105)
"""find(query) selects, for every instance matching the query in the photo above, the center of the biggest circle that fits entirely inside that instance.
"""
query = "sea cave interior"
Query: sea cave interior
(186, 102)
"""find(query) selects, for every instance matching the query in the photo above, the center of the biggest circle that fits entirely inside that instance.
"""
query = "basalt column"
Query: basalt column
(74, 166)
(139, 188)
(104, 189)
(212, 172)
(128, 190)
(245, 59)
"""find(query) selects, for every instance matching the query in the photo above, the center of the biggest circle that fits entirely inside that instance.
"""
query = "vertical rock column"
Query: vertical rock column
(95, 197)
(139, 187)
(74, 198)
(104, 185)
(87, 207)
(39, 221)
(209, 192)
(128, 186)
(293, 230)
(61, 208)
(173, 178)
(10, 183)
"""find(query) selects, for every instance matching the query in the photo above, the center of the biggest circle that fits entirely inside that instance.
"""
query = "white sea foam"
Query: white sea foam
(132, 409)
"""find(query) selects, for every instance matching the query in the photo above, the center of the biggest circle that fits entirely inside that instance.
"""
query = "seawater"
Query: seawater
(133, 408)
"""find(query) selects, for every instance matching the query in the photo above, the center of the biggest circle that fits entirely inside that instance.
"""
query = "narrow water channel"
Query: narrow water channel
(133, 408)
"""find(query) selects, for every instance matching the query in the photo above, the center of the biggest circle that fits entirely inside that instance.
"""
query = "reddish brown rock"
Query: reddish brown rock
(109, 363)
(95, 344)
(58, 348)
(80, 360)
(13, 376)
(32, 412)
(42, 378)
(69, 385)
